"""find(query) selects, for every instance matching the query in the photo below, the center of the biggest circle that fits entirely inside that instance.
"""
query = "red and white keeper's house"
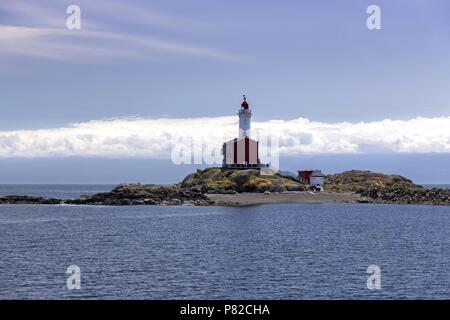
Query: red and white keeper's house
(242, 152)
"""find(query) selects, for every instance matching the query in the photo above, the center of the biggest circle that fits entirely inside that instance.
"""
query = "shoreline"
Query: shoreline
(250, 199)
(230, 200)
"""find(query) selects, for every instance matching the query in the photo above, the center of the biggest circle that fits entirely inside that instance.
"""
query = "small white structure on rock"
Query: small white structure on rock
(317, 178)
(312, 177)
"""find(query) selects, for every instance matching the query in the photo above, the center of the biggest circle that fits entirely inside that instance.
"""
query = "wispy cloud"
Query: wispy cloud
(38, 30)
(155, 138)
(125, 11)
(87, 44)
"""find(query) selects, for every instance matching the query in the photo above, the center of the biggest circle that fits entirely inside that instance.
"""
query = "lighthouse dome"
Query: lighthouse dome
(244, 104)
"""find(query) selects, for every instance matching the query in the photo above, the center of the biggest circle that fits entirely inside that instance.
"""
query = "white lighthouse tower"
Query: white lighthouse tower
(244, 119)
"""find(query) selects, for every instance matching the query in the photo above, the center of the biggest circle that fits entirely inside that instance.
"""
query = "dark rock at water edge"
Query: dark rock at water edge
(125, 195)
(385, 188)
(29, 200)
(407, 196)
(145, 194)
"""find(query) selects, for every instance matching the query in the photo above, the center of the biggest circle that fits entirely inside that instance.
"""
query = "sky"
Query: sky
(141, 77)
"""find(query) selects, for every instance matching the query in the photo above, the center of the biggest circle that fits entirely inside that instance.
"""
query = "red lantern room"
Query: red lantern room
(244, 104)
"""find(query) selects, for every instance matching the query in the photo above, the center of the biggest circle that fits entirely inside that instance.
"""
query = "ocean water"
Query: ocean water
(279, 251)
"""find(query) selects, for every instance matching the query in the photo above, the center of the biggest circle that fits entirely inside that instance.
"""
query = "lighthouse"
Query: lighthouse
(242, 152)
(245, 115)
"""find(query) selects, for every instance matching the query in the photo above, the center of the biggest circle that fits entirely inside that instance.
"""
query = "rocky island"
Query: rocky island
(237, 187)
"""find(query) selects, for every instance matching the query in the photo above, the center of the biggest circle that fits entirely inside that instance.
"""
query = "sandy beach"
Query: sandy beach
(247, 199)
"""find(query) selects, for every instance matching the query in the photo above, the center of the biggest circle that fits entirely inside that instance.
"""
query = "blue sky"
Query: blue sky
(188, 59)
(314, 59)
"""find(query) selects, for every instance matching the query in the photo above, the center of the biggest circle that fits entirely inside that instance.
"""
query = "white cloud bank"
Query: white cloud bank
(155, 138)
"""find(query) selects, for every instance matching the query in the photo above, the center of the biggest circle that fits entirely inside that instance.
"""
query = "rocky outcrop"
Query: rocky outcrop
(29, 200)
(145, 194)
(125, 194)
(357, 180)
(407, 196)
(226, 181)
(384, 188)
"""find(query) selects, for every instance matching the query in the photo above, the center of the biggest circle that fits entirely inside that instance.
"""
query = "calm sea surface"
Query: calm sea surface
(282, 251)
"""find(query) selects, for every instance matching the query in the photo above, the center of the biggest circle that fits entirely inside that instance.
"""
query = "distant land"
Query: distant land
(421, 168)
(240, 187)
